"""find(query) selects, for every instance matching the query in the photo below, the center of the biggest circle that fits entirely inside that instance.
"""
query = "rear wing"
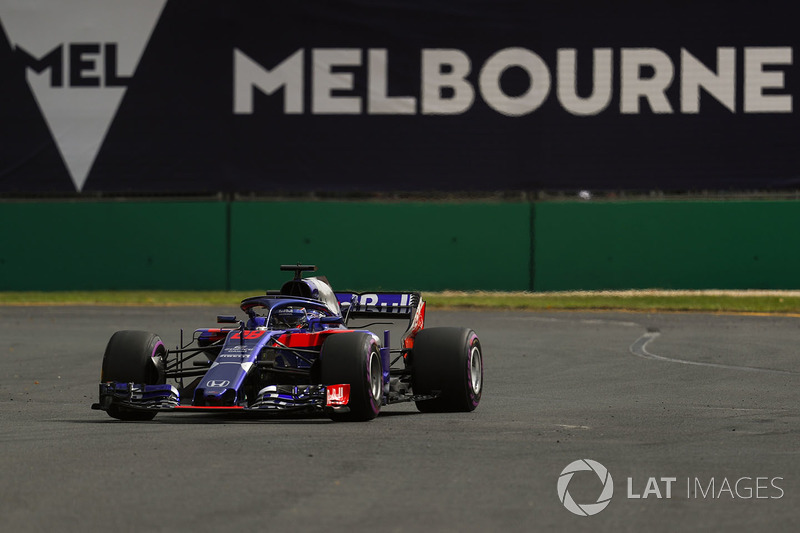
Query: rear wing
(379, 304)
(389, 305)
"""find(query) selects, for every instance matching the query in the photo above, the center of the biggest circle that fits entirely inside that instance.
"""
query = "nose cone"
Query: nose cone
(215, 397)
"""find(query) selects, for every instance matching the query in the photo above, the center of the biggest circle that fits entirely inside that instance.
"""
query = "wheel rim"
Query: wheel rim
(475, 369)
(375, 376)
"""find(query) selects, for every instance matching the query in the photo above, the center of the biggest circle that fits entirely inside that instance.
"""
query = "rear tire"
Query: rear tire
(133, 357)
(450, 361)
(354, 358)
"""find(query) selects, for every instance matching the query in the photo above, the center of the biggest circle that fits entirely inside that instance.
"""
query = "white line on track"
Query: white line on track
(639, 348)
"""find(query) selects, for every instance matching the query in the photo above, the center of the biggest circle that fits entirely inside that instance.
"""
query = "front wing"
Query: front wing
(271, 398)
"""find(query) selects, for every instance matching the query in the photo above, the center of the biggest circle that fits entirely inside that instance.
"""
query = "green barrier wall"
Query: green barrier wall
(545, 246)
(400, 246)
(672, 245)
(112, 245)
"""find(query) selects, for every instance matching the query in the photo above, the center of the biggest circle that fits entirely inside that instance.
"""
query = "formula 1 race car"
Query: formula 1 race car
(299, 349)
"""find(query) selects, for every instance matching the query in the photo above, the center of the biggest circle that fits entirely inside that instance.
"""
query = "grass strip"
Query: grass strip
(663, 302)
(772, 302)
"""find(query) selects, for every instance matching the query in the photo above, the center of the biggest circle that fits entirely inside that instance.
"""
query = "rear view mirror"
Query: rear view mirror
(226, 319)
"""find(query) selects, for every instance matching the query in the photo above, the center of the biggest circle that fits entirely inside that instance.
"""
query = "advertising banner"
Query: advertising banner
(208, 96)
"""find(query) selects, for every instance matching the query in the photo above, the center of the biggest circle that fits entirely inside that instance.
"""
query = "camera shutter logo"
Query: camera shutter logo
(585, 509)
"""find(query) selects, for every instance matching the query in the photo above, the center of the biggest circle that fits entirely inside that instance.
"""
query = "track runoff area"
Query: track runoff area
(589, 420)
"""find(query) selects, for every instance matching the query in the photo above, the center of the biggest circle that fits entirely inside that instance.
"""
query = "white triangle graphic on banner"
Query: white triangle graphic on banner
(77, 113)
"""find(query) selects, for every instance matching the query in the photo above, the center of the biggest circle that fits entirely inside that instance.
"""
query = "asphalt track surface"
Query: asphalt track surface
(699, 398)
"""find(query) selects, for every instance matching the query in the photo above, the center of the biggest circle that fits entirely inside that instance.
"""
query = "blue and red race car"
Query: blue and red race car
(302, 348)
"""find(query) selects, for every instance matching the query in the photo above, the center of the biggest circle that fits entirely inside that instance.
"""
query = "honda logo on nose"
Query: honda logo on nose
(218, 383)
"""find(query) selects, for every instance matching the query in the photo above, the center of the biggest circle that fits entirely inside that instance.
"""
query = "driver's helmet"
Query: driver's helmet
(288, 318)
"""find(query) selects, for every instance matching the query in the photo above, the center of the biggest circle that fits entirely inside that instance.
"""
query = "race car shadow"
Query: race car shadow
(386, 414)
(240, 418)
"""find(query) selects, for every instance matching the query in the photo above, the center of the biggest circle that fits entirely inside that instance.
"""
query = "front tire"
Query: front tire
(354, 358)
(133, 357)
(448, 361)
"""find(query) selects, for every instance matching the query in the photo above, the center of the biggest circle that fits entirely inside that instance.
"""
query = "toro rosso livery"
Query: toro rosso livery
(302, 348)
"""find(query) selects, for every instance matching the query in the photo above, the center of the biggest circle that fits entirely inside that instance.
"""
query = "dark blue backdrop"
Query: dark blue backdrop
(176, 130)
